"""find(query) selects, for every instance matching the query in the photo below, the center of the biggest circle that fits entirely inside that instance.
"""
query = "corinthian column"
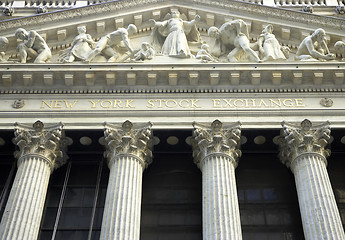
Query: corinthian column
(216, 152)
(128, 151)
(302, 149)
(40, 152)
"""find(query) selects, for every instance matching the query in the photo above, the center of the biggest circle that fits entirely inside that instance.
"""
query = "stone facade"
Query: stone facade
(133, 68)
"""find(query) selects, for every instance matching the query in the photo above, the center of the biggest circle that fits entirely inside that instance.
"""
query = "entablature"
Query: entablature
(146, 78)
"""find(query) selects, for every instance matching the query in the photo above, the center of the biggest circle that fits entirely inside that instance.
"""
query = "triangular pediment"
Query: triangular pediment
(59, 29)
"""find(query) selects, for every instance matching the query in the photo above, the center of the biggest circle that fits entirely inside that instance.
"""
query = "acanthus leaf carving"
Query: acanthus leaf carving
(128, 140)
(217, 139)
(47, 142)
(305, 138)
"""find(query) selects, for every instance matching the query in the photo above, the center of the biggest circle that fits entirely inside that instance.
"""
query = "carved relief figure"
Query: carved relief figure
(171, 36)
(80, 48)
(339, 48)
(3, 47)
(33, 46)
(269, 47)
(107, 43)
(204, 54)
(146, 52)
(233, 34)
(314, 47)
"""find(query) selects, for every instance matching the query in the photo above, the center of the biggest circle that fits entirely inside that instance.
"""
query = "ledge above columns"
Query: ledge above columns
(290, 77)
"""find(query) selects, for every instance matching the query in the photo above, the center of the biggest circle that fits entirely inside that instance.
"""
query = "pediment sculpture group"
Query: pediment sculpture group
(173, 37)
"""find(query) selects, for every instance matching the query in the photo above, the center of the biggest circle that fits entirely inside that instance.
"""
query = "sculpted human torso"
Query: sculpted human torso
(314, 47)
(175, 24)
(38, 43)
(305, 49)
(269, 36)
(228, 37)
(81, 37)
(116, 37)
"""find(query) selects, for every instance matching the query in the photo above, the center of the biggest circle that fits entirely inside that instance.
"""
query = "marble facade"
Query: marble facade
(101, 69)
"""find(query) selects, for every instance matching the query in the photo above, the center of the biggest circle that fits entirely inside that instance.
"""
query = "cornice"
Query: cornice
(87, 11)
(232, 6)
(177, 78)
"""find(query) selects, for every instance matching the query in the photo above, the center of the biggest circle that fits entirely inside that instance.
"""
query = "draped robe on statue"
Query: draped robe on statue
(171, 37)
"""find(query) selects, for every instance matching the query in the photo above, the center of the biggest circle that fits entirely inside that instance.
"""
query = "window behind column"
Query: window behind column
(76, 183)
(171, 204)
(336, 169)
(8, 167)
(266, 191)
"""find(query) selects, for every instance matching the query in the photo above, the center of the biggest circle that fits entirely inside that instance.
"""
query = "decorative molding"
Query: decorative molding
(217, 139)
(305, 138)
(18, 104)
(47, 142)
(233, 6)
(129, 140)
(283, 14)
(101, 78)
(176, 90)
(326, 102)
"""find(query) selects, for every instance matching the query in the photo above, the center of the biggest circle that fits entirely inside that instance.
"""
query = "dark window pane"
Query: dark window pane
(45, 235)
(95, 235)
(98, 218)
(252, 216)
(49, 217)
(253, 195)
(53, 196)
(75, 218)
(270, 195)
(79, 197)
(71, 235)
(171, 203)
(270, 207)
(83, 175)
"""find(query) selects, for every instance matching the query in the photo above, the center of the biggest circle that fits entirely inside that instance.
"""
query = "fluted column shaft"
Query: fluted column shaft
(23, 212)
(303, 150)
(128, 153)
(40, 152)
(221, 216)
(216, 152)
(121, 218)
(319, 211)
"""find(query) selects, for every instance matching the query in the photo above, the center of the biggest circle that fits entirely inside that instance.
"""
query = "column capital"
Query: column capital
(304, 138)
(128, 139)
(218, 139)
(46, 142)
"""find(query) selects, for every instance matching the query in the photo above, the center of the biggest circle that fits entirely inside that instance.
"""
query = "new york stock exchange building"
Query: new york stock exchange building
(172, 120)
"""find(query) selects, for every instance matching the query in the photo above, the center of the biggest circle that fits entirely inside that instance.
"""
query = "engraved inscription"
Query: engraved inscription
(173, 103)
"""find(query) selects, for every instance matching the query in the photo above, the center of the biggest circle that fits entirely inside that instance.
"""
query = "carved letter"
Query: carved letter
(94, 103)
(45, 103)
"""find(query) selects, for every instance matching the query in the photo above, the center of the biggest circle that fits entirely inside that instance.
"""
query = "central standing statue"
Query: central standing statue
(170, 37)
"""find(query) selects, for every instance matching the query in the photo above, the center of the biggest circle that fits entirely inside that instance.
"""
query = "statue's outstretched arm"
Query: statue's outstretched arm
(125, 40)
(193, 22)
